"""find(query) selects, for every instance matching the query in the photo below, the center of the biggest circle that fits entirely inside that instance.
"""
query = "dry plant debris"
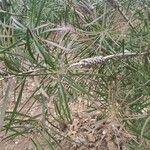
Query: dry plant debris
(90, 133)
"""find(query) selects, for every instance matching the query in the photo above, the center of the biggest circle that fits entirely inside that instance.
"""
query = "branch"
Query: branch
(89, 62)
(8, 76)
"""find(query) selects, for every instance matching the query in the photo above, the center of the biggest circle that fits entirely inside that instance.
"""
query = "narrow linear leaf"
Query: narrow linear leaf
(16, 105)
(11, 64)
(4, 105)
(28, 46)
(63, 101)
(75, 85)
(144, 126)
(34, 144)
(40, 11)
(45, 54)
(47, 140)
(38, 144)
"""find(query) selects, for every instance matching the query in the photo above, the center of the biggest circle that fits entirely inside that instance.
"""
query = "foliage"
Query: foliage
(41, 39)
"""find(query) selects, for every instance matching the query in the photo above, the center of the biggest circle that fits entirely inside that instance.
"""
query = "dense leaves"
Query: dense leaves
(40, 39)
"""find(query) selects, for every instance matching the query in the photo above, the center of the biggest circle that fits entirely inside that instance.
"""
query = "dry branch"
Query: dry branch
(89, 62)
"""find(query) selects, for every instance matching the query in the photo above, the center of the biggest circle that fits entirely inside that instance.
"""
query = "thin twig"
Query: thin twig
(19, 74)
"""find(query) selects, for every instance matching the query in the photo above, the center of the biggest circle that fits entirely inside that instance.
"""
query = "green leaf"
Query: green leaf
(4, 105)
(146, 125)
(45, 54)
(42, 4)
(16, 105)
(63, 102)
(12, 64)
(28, 45)
(75, 85)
